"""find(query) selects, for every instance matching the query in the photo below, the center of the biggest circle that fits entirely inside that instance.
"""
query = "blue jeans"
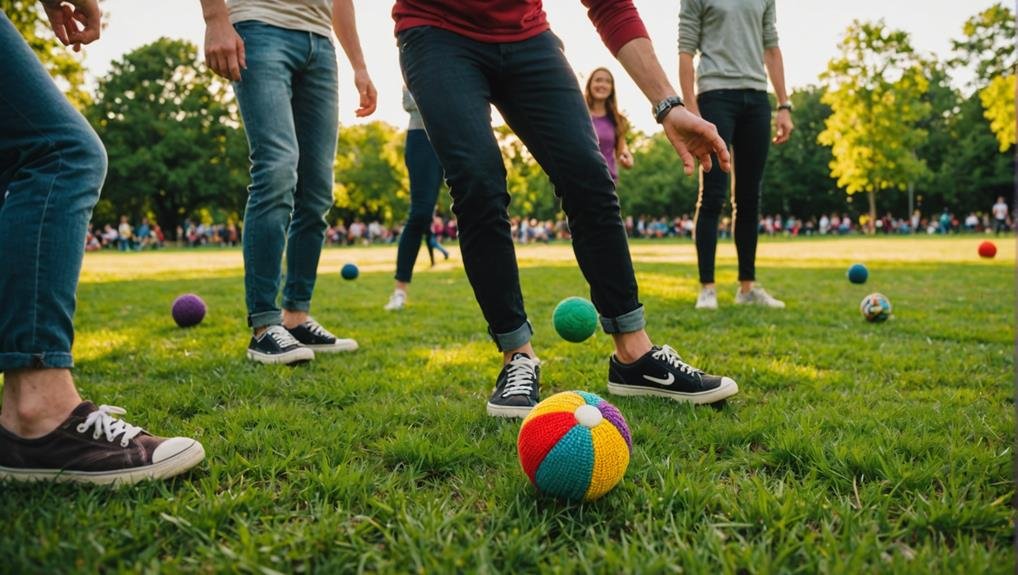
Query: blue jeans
(52, 165)
(425, 180)
(288, 100)
(455, 80)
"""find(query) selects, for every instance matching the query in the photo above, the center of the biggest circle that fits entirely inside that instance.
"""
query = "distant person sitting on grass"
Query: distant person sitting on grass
(460, 57)
(283, 66)
(54, 165)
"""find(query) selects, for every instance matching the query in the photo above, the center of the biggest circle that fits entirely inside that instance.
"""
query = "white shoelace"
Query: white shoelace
(281, 336)
(103, 422)
(317, 329)
(520, 378)
(669, 355)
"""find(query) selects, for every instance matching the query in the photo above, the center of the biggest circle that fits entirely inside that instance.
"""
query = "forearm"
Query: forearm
(214, 10)
(687, 79)
(638, 58)
(776, 70)
(344, 24)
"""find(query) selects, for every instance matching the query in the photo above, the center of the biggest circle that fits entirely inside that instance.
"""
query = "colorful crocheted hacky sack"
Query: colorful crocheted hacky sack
(574, 445)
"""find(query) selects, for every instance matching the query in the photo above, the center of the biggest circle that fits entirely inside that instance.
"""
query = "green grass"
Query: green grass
(851, 447)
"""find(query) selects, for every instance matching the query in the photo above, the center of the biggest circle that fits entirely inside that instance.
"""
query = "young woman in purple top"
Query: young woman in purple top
(609, 124)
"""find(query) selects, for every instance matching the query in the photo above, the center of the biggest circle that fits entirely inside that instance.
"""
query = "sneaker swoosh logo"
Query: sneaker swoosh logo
(666, 381)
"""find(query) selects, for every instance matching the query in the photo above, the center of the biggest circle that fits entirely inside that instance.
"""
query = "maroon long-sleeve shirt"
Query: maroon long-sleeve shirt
(497, 21)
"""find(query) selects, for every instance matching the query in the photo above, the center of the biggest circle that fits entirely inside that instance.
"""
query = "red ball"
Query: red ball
(987, 250)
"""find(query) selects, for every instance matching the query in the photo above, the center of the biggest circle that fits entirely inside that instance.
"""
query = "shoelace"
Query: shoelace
(317, 329)
(104, 423)
(281, 336)
(520, 378)
(669, 355)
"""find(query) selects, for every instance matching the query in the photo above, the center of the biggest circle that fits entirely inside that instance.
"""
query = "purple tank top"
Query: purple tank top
(605, 131)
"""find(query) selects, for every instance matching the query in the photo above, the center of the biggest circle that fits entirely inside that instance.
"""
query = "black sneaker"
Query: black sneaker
(662, 372)
(276, 345)
(93, 446)
(517, 388)
(312, 335)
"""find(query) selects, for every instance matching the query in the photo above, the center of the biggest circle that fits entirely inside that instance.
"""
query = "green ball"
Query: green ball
(575, 319)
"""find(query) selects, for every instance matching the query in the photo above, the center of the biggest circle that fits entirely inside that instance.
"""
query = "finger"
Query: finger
(213, 61)
(56, 21)
(241, 53)
(233, 66)
(91, 19)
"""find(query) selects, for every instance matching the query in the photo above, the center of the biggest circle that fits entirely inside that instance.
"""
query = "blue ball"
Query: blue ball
(858, 273)
(349, 272)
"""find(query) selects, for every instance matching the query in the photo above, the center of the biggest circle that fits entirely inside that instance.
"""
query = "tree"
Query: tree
(529, 187)
(371, 178)
(988, 45)
(62, 63)
(798, 179)
(656, 184)
(875, 89)
(173, 135)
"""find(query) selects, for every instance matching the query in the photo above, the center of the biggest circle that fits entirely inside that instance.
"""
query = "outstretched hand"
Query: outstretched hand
(75, 22)
(695, 139)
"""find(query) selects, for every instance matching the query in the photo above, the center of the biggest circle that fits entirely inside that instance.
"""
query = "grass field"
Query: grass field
(851, 448)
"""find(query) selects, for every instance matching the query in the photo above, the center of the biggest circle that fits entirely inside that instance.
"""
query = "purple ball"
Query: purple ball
(188, 310)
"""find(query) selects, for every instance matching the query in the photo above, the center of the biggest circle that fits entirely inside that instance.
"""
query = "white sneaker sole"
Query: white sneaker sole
(706, 306)
(169, 467)
(508, 411)
(298, 355)
(340, 345)
(727, 389)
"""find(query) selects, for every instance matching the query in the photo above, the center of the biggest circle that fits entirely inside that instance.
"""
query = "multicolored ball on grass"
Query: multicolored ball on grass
(188, 310)
(875, 307)
(575, 319)
(574, 445)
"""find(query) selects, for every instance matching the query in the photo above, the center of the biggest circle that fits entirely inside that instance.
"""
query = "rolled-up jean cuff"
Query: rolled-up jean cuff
(515, 338)
(264, 318)
(42, 360)
(625, 323)
(291, 305)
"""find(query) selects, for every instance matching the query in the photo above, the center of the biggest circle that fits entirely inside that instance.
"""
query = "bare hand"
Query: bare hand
(693, 137)
(626, 159)
(75, 22)
(368, 95)
(783, 124)
(224, 49)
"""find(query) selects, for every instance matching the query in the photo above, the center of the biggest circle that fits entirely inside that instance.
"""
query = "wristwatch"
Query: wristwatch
(785, 106)
(664, 106)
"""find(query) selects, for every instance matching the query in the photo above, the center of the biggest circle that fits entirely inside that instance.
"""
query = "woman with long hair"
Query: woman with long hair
(610, 125)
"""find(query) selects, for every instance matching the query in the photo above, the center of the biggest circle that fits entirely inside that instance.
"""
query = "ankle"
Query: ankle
(630, 347)
(526, 348)
(37, 401)
(292, 319)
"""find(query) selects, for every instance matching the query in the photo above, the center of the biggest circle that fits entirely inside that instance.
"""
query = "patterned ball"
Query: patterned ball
(349, 272)
(575, 319)
(574, 445)
(875, 307)
(858, 273)
(188, 310)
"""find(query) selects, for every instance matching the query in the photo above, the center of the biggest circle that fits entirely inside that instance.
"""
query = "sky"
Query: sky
(809, 32)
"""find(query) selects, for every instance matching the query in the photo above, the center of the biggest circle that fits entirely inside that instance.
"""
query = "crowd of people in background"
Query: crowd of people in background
(148, 234)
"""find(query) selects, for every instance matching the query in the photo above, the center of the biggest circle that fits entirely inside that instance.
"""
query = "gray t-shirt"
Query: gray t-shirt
(730, 36)
(416, 122)
(303, 15)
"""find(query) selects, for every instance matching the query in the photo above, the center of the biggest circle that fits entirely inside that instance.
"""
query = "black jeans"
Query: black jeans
(455, 80)
(425, 179)
(743, 118)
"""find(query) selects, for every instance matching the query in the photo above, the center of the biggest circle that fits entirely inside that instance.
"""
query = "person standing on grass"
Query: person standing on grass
(425, 180)
(281, 60)
(1000, 213)
(52, 166)
(610, 125)
(460, 57)
(737, 41)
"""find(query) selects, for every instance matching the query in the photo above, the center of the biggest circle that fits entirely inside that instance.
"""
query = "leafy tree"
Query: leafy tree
(62, 63)
(875, 88)
(172, 132)
(371, 177)
(529, 187)
(798, 180)
(998, 105)
(656, 184)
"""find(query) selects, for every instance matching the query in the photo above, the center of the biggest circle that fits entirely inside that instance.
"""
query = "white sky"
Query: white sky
(809, 30)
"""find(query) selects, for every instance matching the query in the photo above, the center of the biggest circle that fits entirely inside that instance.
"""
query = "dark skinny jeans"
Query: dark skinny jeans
(425, 180)
(743, 118)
